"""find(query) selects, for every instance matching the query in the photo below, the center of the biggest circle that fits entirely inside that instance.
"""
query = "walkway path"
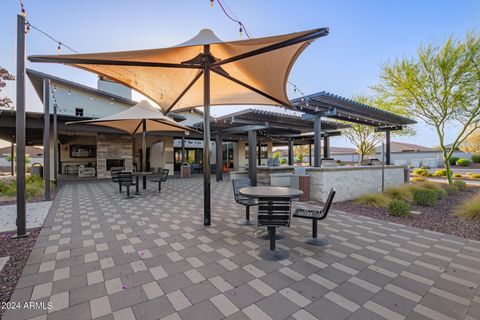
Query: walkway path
(101, 256)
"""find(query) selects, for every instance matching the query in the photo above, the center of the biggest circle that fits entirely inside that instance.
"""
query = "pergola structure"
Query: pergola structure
(324, 104)
(257, 124)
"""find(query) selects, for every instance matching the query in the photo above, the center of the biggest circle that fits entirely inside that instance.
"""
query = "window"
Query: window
(79, 112)
(263, 151)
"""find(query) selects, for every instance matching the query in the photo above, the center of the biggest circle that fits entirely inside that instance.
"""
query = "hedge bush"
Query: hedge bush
(421, 172)
(425, 197)
(470, 208)
(457, 175)
(440, 173)
(417, 179)
(376, 200)
(399, 208)
(475, 176)
(441, 194)
(476, 158)
(462, 186)
(453, 160)
(451, 189)
(463, 162)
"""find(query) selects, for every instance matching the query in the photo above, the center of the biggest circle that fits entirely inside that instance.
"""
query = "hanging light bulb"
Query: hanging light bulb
(241, 30)
(69, 92)
(212, 2)
(58, 48)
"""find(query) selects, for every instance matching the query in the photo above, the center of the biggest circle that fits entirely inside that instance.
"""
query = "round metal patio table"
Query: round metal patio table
(138, 174)
(271, 192)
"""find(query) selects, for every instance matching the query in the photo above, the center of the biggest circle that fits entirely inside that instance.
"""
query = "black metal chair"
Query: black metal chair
(114, 174)
(125, 179)
(274, 212)
(315, 216)
(244, 201)
(160, 178)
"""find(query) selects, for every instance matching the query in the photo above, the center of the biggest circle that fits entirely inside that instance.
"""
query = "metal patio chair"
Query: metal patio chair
(244, 201)
(162, 177)
(274, 212)
(315, 216)
(125, 179)
(114, 175)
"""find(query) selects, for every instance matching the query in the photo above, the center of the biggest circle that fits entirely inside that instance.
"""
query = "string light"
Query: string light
(212, 2)
(59, 43)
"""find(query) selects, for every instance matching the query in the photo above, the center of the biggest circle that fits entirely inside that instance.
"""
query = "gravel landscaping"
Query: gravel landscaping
(439, 218)
(18, 251)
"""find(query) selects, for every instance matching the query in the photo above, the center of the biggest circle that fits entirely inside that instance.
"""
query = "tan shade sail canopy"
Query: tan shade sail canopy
(242, 72)
(130, 120)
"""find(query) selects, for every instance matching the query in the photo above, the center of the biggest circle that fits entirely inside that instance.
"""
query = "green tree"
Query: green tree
(363, 137)
(441, 86)
(5, 76)
(300, 151)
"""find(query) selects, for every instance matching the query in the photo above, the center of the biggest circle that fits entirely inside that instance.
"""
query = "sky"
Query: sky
(363, 36)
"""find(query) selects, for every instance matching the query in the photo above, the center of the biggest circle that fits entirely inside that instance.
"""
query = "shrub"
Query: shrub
(452, 189)
(441, 193)
(462, 186)
(418, 179)
(463, 162)
(400, 193)
(476, 158)
(453, 160)
(425, 197)
(426, 167)
(283, 161)
(376, 200)
(399, 208)
(470, 209)
(475, 176)
(457, 175)
(421, 172)
(430, 185)
(440, 173)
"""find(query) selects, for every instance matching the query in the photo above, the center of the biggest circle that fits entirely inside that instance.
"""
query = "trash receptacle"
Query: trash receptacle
(185, 170)
(36, 170)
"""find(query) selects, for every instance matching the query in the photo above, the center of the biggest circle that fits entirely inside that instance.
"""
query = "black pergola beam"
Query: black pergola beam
(243, 129)
(391, 128)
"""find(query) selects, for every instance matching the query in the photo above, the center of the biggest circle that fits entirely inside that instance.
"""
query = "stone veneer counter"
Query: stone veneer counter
(350, 182)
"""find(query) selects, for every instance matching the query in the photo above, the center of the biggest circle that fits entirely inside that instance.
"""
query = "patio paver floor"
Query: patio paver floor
(105, 257)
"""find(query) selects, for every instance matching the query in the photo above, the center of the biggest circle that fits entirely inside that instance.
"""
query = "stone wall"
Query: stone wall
(352, 182)
(113, 147)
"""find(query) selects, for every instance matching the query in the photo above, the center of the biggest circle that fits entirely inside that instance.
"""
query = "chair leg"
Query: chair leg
(159, 186)
(314, 228)
(247, 213)
(271, 232)
(128, 192)
(119, 187)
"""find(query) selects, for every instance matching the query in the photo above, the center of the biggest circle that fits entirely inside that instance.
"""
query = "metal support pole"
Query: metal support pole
(290, 151)
(20, 128)
(388, 159)
(310, 154)
(12, 156)
(218, 148)
(206, 135)
(252, 164)
(144, 152)
(317, 128)
(326, 147)
(183, 149)
(55, 143)
(259, 153)
(46, 137)
(383, 166)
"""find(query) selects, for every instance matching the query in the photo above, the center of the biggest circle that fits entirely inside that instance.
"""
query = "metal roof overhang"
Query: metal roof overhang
(276, 126)
(348, 110)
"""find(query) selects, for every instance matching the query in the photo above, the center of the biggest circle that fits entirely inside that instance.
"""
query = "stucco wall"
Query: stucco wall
(352, 182)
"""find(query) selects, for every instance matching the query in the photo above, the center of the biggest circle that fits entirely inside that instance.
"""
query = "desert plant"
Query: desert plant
(463, 162)
(376, 200)
(283, 161)
(441, 193)
(400, 193)
(475, 176)
(418, 179)
(399, 208)
(421, 172)
(440, 173)
(425, 197)
(430, 185)
(453, 160)
(462, 186)
(476, 158)
(451, 189)
(457, 175)
(470, 209)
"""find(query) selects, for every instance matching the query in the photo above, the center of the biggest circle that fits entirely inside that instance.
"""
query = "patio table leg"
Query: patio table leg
(137, 190)
(144, 182)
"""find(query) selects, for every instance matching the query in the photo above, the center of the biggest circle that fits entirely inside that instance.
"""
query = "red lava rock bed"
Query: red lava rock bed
(439, 218)
(18, 250)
